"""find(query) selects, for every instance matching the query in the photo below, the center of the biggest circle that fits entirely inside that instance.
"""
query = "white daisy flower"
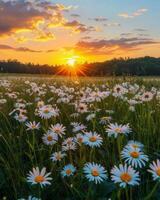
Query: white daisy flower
(39, 177)
(147, 96)
(68, 170)
(155, 170)
(115, 130)
(81, 108)
(32, 125)
(59, 129)
(21, 117)
(135, 144)
(134, 157)
(125, 176)
(92, 139)
(95, 172)
(57, 156)
(47, 111)
(69, 144)
(78, 127)
(50, 138)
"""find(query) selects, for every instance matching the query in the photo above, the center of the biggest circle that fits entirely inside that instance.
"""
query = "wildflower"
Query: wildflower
(68, 170)
(69, 144)
(95, 172)
(47, 111)
(125, 176)
(39, 177)
(50, 138)
(81, 108)
(21, 117)
(115, 130)
(134, 156)
(155, 169)
(135, 144)
(90, 117)
(78, 127)
(59, 129)
(92, 139)
(105, 119)
(32, 125)
(57, 156)
(147, 96)
(79, 138)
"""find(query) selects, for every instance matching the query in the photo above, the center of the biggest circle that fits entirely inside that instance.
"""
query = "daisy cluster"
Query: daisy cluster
(76, 130)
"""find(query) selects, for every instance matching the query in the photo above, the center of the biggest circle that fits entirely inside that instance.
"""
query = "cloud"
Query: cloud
(78, 27)
(137, 13)
(75, 15)
(22, 49)
(112, 46)
(112, 24)
(36, 16)
(140, 29)
(99, 19)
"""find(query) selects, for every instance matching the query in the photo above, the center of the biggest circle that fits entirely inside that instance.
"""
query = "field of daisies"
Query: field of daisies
(79, 139)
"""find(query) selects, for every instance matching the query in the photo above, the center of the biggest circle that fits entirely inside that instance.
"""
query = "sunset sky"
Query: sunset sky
(48, 31)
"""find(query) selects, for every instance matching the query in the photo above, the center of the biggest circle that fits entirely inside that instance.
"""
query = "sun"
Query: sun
(71, 62)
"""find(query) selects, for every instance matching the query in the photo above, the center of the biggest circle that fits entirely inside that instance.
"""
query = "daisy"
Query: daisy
(125, 176)
(32, 125)
(68, 170)
(134, 157)
(21, 117)
(147, 96)
(57, 156)
(79, 138)
(39, 177)
(115, 130)
(47, 111)
(59, 129)
(81, 108)
(135, 144)
(78, 127)
(90, 117)
(105, 119)
(50, 138)
(95, 172)
(92, 139)
(69, 144)
(155, 169)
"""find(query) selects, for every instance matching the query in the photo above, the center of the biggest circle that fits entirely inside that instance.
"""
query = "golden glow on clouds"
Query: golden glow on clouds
(46, 33)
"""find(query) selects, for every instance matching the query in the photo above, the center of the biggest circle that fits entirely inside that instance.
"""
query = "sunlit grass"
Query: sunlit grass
(21, 150)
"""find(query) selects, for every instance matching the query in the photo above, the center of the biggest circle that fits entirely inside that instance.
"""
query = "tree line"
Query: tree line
(143, 66)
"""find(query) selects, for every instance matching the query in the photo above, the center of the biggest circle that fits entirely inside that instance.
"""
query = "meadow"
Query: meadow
(79, 138)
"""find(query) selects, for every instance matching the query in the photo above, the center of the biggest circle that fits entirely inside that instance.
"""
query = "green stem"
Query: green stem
(152, 192)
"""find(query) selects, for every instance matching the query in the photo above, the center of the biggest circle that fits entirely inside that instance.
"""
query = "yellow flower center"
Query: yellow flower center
(134, 154)
(58, 157)
(93, 139)
(68, 171)
(49, 138)
(158, 171)
(46, 111)
(125, 177)
(57, 130)
(33, 126)
(39, 179)
(95, 172)
(118, 130)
